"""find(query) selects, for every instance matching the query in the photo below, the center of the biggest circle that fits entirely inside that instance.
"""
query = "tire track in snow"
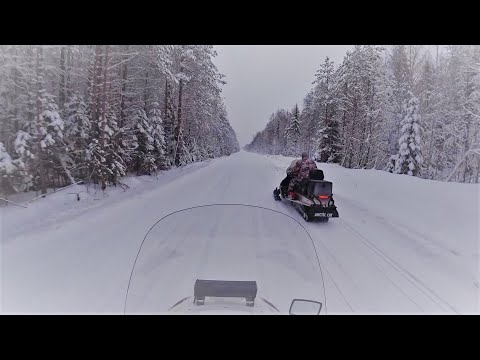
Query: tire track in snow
(338, 288)
(280, 206)
(422, 287)
(381, 271)
(423, 248)
(370, 262)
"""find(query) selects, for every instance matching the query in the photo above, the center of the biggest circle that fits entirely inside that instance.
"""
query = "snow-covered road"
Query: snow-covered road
(401, 244)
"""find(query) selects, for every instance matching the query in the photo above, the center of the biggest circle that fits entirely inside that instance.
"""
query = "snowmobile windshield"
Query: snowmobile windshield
(235, 258)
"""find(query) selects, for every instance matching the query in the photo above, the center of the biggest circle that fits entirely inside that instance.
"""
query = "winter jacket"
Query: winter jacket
(302, 168)
(290, 170)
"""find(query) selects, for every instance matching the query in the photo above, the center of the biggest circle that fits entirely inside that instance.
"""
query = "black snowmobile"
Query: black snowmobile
(314, 197)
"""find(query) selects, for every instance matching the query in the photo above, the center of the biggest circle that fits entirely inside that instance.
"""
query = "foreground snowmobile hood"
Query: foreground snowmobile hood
(225, 259)
(223, 306)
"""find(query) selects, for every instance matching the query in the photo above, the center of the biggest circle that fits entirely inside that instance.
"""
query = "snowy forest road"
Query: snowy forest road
(376, 258)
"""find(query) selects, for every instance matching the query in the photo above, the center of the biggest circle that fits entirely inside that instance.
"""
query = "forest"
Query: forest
(405, 109)
(95, 113)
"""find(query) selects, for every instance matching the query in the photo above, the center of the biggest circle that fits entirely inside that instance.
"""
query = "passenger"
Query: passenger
(299, 170)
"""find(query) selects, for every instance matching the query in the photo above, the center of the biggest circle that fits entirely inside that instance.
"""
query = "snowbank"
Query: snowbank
(62, 206)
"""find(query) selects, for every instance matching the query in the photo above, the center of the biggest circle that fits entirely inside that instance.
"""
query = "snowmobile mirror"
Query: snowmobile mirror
(305, 307)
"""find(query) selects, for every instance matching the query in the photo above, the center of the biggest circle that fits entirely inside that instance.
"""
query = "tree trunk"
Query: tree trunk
(105, 73)
(15, 93)
(124, 89)
(41, 165)
(462, 160)
(64, 166)
(98, 79)
(68, 88)
(104, 107)
(94, 84)
(145, 93)
(178, 129)
(61, 90)
(477, 178)
(354, 123)
(166, 97)
(103, 117)
(466, 146)
(326, 155)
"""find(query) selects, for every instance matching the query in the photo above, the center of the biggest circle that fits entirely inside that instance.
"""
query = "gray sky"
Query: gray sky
(264, 78)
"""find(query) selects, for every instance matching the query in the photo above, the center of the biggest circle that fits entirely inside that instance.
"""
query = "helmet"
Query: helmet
(304, 154)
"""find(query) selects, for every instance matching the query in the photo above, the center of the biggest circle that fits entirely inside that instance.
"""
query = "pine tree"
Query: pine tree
(13, 174)
(328, 134)
(308, 125)
(77, 134)
(169, 124)
(158, 135)
(410, 157)
(77, 121)
(104, 162)
(386, 142)
(292, 133)
(144, 159)
(401, 86)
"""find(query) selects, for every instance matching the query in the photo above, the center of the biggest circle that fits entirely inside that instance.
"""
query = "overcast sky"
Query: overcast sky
(264, 78)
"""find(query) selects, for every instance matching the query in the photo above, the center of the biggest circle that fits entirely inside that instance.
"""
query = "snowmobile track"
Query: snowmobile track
(427, 291)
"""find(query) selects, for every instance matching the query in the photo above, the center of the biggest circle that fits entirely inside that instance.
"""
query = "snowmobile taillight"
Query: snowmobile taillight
(323, 197)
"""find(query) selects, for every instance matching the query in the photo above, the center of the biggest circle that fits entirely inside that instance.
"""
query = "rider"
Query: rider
(299, 170)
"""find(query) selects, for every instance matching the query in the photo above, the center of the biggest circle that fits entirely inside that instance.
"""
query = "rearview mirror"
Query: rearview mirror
(305, 307)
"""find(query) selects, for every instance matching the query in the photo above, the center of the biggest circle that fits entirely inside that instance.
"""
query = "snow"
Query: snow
(47, 141)
(21, 143)
(401, 245)
(54, 118)
(108, 130)
(6, 165)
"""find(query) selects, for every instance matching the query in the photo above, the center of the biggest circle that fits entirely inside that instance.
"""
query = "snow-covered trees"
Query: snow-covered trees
(359, 94)
(326, 102)
(272, 139)
(409, 160)
(96, 112)
(292, 134)
(150, 154)
(157, 135)
(13, 176)
(405, 109)
(6, 166)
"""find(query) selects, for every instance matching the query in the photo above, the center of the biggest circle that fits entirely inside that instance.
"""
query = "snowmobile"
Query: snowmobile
(226, 259)
(314, 197)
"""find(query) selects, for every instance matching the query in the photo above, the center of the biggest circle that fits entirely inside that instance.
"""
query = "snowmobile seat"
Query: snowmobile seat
(316, 174)
(307, 186)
